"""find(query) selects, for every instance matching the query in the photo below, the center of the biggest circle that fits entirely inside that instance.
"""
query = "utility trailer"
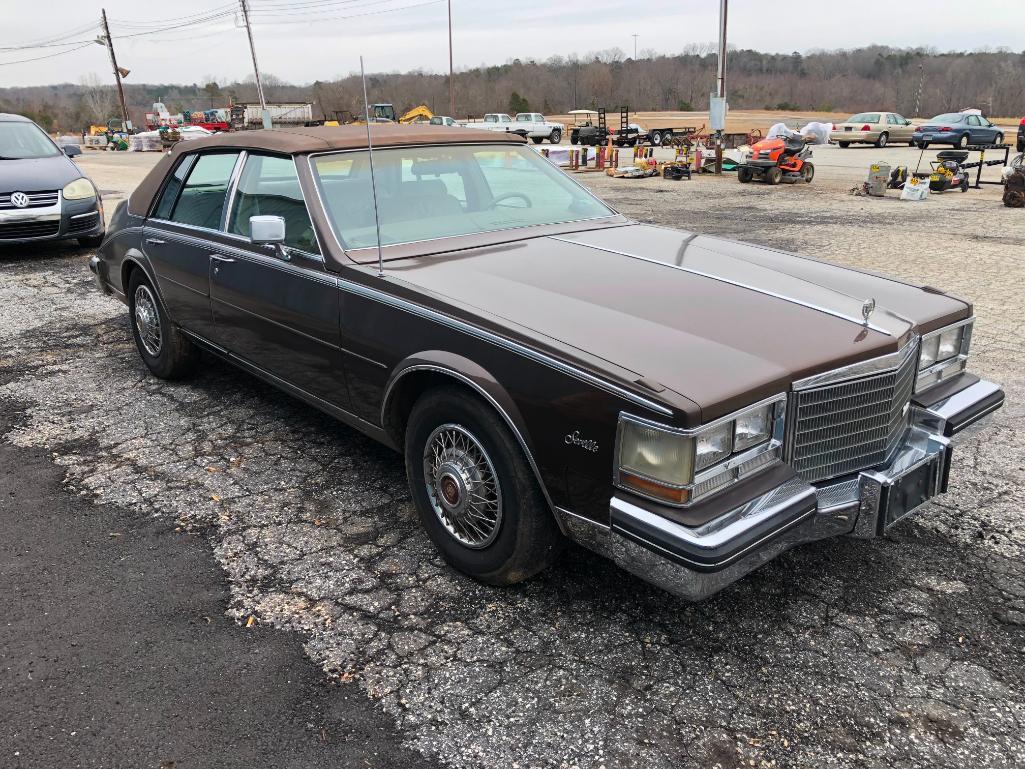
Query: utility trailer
(627, 134)
(249, 115)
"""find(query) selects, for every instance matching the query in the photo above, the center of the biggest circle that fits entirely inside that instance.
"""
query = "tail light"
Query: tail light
(1022, 121)
(945, 128)
(866, 127)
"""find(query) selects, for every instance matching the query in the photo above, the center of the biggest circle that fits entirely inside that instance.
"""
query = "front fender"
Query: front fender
(470, 374)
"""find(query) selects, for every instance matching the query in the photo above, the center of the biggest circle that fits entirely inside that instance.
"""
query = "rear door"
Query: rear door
(277, 307)
(178, 236)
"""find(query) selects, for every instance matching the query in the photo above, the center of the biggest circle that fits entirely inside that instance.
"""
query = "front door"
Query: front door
(277, 307)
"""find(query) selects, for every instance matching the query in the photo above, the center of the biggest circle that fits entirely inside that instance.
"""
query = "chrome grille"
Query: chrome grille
(849, 426)
(35, 200)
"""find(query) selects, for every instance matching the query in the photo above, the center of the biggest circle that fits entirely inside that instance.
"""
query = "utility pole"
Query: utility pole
(921, 83)
(635, 47)
(117, 73)
(451, 70)
(256, 67)
(720, 84)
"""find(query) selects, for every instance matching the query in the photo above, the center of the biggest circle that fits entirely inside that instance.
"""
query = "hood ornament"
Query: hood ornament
(867, 308)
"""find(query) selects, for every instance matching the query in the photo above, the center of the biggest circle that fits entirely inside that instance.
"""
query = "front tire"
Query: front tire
(167, 353)
(92, 242)
(844, 145)
(807, 172)
(477, 498)
(555, 137)
(999, 139)
(744, 175)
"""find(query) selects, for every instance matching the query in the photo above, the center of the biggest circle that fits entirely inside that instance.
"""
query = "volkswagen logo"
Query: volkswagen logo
(19, 200)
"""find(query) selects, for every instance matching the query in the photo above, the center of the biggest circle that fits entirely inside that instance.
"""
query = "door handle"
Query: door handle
(225, 259)
(155, 241)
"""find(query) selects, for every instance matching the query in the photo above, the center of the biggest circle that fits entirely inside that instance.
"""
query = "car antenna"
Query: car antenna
(373, 182)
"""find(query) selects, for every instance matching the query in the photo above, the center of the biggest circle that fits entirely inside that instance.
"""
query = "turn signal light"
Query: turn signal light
(654, 489)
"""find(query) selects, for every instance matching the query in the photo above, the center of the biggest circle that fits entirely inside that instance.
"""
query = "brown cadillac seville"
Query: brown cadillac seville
(688, 406)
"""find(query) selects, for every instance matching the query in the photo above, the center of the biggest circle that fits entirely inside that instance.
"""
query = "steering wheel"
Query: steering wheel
(508, 195)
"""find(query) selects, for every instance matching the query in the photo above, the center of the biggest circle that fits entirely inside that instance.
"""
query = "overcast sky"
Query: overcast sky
(306, 40)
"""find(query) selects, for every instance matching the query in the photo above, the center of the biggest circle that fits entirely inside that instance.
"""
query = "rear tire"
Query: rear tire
(844, 145)
(537, 139)
(883, 139)
(962, 141)
(483, 508)
(656, 138)
(167, 353)
(773, 175)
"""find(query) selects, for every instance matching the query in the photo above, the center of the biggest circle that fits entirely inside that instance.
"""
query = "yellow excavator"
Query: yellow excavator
(385, 113)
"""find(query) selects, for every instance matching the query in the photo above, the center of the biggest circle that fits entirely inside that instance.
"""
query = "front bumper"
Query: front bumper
(63, 220)
(696, 562)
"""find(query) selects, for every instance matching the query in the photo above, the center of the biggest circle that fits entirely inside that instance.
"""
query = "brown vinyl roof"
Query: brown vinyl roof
(313, 139)
(346, 137)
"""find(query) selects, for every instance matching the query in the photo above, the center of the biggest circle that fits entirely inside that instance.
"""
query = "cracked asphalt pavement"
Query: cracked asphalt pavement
(907, 651)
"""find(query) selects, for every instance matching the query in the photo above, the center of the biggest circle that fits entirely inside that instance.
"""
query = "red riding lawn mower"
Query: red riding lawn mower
(778, 159)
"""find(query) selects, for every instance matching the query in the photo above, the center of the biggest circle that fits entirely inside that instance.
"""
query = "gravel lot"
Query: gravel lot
(907, 651)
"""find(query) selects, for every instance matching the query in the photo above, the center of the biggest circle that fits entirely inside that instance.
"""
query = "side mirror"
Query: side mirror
(267, 230)
(71, 150)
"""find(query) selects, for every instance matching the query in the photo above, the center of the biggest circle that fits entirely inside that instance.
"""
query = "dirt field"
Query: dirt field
(903, 652)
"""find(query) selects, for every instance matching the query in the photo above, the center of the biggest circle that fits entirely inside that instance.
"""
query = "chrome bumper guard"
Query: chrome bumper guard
(696, 562)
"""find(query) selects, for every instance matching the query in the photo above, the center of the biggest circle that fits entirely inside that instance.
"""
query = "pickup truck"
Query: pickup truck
(529, 124)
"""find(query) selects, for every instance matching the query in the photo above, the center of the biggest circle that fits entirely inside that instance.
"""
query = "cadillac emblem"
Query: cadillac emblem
(867, 309)
(19, 200)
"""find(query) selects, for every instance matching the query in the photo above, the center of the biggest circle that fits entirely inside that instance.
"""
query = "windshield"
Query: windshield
(25, 140)
(948, 117)
(864, 117)
(425, 193)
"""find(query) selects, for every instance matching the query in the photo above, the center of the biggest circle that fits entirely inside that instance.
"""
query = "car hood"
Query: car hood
(719, 322)
(37, 174)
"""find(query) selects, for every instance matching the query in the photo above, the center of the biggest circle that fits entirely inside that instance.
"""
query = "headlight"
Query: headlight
(680, 466)
(80, 189)
(943, 354)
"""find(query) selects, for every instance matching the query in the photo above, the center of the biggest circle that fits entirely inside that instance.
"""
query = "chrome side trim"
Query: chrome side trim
(721, 279)
(487, 396)
(882, 364)
(487, 336)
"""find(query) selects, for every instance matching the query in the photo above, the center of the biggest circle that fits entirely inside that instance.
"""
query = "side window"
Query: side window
(898, 119)
(269, 186)
(171, 189)
(201, 202)
(891, 120)
(973, 120)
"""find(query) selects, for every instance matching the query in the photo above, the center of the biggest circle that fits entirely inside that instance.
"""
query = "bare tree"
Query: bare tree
(99, 100)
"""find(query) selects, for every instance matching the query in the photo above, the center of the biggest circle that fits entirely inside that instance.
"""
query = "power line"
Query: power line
(48, 56)
(56, 41)
(306, 19)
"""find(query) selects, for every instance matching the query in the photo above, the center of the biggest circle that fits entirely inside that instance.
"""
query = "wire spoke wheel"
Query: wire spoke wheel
(147, 321)
(462, 486)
